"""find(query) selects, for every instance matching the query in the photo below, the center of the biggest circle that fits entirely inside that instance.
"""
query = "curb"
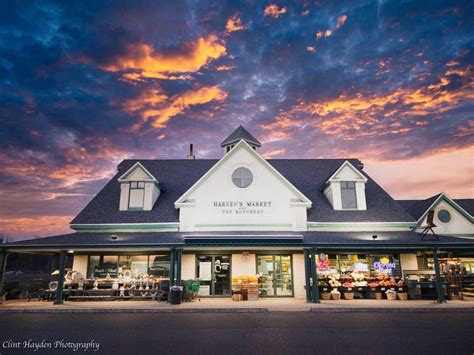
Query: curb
(233, 310)
(392, 310)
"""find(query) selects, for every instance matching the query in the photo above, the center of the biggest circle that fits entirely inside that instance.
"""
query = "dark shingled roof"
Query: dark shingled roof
(177, 176)
(168, 239)
(467, 204)
(418, 207)
(239, 134)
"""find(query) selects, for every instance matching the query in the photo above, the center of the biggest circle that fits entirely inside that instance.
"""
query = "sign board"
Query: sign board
(205, 271)
(204, 290)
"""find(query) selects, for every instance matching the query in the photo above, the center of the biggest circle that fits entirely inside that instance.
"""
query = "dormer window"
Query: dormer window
(137, 195)
(139, 189)
(348, 195)
(345, 188)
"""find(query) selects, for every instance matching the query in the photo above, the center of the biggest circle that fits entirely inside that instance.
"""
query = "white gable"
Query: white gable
(347, 172)
(460, 223)
(137, 173)
(214, 202)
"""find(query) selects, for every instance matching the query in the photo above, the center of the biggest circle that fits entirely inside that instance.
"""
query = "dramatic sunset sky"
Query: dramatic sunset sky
(87, 84)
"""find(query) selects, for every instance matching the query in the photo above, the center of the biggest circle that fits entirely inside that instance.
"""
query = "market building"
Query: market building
(276, 222)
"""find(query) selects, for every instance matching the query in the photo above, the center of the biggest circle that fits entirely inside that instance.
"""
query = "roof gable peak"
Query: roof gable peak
(126, 176)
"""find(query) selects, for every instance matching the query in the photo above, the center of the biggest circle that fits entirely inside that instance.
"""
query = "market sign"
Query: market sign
(242, 207)
(384, 265)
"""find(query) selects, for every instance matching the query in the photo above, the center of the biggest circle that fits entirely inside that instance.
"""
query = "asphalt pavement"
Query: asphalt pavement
(238, 333)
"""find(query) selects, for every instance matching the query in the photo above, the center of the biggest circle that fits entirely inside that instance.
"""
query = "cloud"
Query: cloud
(321, 34)
(274, 11)
(234, 24)
(353, 116)
(142, 60)
(272, 153)
(157, 109)
(341, 20)
(225, 67)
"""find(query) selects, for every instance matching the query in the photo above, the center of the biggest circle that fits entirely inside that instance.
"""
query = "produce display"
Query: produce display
(361, 283)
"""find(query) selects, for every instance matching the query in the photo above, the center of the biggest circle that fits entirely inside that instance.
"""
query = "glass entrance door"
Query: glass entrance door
(213, 272)
(276, 275)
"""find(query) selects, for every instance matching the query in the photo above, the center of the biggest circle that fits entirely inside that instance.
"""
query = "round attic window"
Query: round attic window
(444, 216)
(242, 177)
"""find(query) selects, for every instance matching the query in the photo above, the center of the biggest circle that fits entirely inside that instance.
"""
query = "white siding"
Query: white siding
(188, 266)
(457, 225)
(79, 264)
(299, 276)
(244, 265)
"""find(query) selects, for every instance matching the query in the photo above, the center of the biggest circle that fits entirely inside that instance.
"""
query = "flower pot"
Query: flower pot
(335, 296)
(378, 295)
(402, 296)
(348, 295)
(326, 296)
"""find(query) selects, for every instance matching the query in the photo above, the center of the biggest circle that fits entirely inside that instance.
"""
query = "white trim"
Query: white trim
(123, 178)
(348, 164)
(180, 201)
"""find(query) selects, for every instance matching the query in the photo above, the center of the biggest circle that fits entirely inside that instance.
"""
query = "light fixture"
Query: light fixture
(70, 251)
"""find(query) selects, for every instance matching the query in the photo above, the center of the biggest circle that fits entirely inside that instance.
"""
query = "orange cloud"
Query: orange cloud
(225, 68)
(274, 11)
(341, 20)
(35, 226)
(273, 153)
(321, 34)
(158, 109)
(145, 62)
(394, 112)
(234, 24)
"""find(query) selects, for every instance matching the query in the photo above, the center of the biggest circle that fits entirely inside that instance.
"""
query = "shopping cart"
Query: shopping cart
(191, 290)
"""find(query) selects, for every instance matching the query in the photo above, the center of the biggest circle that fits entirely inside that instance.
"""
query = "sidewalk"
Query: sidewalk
(225, 305)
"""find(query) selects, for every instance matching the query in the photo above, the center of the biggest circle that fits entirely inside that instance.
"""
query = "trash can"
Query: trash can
(175, 294)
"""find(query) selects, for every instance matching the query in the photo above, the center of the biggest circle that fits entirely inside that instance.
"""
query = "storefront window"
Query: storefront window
(159, 266)
(371, 264)
(275, 275)
(136, 264)
(129, 265)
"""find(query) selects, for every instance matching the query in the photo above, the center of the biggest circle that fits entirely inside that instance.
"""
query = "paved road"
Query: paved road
(247, 333)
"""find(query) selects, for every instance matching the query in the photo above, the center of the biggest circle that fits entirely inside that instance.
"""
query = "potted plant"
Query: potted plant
(348, 293)
(335, 294)
(391, 295)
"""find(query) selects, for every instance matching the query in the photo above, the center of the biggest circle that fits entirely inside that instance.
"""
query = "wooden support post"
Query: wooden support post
(439, 282)
(307, 271)
(172, 266)
(179, 253)
(62, 267)
(314, 274)
(3, 266)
